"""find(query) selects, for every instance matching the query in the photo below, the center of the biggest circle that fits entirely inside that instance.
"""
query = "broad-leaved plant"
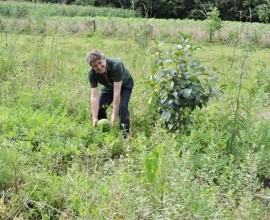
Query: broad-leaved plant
(179, 82)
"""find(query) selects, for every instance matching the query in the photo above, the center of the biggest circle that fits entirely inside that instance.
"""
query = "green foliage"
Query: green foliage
(114, 146)
(180, 83)
(151, 164)
(10, 175)
(14, 10)
(263, 12)
(213, 22)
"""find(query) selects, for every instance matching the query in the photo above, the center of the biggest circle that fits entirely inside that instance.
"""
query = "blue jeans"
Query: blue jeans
(106, 99)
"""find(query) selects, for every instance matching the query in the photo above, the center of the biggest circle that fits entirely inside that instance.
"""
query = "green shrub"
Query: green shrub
(180, 83)
(213, 22)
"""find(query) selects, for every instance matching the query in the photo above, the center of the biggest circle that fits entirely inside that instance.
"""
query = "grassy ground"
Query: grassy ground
(54, 165)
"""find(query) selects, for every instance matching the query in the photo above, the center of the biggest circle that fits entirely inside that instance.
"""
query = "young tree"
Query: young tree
(213, 22)
(179, 83)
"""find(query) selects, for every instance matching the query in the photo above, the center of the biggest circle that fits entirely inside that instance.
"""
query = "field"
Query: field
(55, 165)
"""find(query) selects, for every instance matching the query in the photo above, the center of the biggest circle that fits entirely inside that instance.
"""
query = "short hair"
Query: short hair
(95, 55)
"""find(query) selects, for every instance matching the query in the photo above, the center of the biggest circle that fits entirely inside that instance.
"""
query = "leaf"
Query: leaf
(196, 88)
(198, 97)
(166, 115)
(172, 85)
(170, 102)
(170, 126)
(187, 93)
(183, 83)
(176, 101)
(175, 94)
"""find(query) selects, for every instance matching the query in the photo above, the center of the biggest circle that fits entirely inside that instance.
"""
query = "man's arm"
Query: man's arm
(116, 100)
(94, 104)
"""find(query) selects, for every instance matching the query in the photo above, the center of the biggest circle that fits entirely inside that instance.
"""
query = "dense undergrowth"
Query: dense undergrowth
(55, 165)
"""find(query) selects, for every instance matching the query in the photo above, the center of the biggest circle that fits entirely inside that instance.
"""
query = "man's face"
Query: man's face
(99, 66)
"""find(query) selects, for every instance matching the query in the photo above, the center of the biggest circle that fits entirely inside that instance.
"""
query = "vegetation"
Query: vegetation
(24, 9)
(179, 83)
(139, 29)
(231, 10)
(55, 165)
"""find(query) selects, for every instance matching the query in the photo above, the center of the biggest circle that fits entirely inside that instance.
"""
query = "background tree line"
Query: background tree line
(231, 10)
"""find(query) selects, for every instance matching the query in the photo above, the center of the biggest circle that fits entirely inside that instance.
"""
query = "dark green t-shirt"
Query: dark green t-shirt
(115, 72)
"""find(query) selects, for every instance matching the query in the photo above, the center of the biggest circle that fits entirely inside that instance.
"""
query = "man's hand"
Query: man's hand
(95, 120)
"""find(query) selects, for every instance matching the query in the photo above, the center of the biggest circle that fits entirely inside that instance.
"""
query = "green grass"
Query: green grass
(54, 165)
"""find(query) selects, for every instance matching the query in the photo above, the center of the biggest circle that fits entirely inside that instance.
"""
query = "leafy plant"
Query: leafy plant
(263, 12)
(8, 60)
(180, 83)
(213, 22)
(10, 172)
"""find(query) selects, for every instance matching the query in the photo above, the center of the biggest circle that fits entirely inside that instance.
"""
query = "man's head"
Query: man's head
(97, 61)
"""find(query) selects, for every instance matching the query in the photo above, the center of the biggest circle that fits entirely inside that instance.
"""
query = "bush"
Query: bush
(180, 83)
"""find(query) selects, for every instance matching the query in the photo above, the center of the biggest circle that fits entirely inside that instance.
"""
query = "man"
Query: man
(117, 88)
